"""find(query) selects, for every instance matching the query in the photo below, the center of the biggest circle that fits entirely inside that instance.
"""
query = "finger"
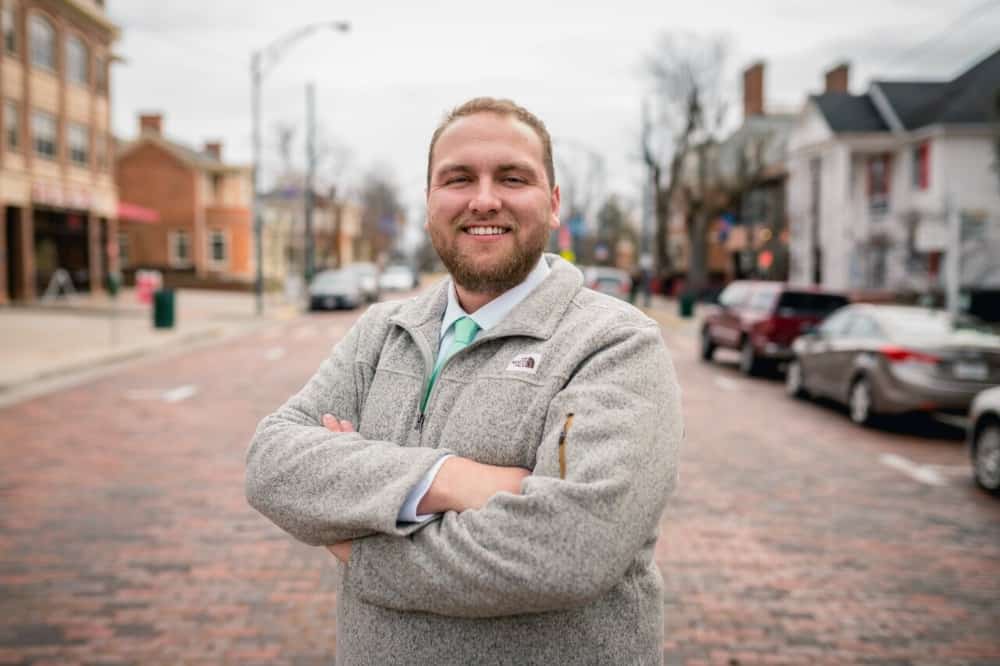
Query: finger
(331, 423)
(346, 426)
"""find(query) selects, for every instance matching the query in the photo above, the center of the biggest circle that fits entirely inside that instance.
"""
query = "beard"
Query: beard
(505, 274)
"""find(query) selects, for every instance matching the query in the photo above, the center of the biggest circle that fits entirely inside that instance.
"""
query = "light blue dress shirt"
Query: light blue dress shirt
(486, 317)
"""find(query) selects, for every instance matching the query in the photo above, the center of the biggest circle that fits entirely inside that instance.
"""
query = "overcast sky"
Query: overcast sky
(382, 88)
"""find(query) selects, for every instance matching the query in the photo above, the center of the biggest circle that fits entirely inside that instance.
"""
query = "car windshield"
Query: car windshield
(327, 280)
(803, 302)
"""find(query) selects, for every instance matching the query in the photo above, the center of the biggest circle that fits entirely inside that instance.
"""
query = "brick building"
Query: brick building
(57, 196)
(201, 233)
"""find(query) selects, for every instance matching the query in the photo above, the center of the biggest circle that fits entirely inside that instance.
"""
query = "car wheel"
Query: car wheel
(707, 346)
(794, 384)
(749, 363)
(859, 402)
(986, 459)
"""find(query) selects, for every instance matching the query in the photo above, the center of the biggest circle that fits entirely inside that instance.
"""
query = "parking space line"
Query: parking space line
(922, 473)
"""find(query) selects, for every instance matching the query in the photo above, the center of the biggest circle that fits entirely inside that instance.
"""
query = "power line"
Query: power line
(975, 11)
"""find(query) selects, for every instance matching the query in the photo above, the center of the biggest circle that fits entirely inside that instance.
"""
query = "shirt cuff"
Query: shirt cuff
(408, 512)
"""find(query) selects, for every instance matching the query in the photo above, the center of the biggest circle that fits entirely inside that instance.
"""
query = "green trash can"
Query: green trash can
(686, 305)
(163, 308)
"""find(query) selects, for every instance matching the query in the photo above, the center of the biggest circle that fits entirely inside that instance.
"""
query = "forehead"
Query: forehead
(487, 135)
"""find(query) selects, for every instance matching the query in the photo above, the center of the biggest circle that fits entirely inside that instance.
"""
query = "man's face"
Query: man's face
(490, 206)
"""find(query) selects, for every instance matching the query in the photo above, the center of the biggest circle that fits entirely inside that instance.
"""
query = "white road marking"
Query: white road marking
(726, 383)
(180, 393)
(274, 353)
(305, 332)
(922, 473)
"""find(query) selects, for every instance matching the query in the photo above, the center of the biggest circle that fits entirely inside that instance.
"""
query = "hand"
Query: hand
(334, 424)
(462, 484)
(342, 551)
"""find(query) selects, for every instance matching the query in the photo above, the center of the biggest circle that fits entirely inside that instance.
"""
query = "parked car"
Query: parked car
(367, 273)
(984, 439)
(330, 290)
(398, 277)
(762, 319)
(607, 280)
(891, 359)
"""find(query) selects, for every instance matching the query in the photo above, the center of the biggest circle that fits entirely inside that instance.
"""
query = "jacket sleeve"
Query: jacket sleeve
(562, 542)
(323, 487)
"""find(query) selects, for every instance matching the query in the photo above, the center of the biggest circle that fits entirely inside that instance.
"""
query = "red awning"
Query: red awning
(134, 213)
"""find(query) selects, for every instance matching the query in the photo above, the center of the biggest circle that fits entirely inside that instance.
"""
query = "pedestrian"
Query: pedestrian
(487, 461)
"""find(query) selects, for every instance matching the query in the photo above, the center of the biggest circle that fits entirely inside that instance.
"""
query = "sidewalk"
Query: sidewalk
(48, 341)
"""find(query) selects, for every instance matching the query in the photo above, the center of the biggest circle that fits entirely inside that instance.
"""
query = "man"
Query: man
(489, 460)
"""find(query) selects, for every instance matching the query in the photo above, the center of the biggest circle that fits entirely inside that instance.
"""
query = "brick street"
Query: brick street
(125, 537)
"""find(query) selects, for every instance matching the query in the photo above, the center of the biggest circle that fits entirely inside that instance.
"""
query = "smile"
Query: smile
(485, 231)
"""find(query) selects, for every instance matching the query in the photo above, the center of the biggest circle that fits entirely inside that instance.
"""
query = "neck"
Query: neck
(472, 300)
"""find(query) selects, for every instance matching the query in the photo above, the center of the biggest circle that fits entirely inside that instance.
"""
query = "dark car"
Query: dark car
(762, 319)
(892, 359)
(611, 281)
(331, 290)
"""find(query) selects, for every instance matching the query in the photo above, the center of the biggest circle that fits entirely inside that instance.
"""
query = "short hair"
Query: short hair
(501, 107)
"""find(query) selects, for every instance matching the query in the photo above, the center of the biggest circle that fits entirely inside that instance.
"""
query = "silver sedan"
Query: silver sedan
(891, 359)
(984, 439)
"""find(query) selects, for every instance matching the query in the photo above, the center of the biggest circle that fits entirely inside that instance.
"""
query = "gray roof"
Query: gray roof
(845, 112)
(971, 97)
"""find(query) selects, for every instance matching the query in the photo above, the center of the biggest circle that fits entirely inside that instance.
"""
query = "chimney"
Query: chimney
(753, 90)
(214, 148)
(836, 78)
(151, 122)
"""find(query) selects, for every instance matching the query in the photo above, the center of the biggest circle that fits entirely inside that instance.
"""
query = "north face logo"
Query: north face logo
(525, 363)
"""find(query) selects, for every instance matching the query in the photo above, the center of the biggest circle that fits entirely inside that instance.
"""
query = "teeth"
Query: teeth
(485, 231)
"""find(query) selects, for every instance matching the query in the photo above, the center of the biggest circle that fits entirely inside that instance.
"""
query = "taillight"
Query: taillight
(896, 354)
(765, 327)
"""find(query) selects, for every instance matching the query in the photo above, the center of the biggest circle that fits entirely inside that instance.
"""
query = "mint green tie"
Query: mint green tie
(465, 331)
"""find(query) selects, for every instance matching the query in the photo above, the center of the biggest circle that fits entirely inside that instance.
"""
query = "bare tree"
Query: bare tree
(689, 107)
(382, 209)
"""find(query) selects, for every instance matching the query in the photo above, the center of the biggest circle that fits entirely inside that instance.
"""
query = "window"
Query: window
(879, 175)
(217, 247)
(921, 174)
(8, 18)
(836, 324)
(123, 260)
(180, 248)
(78, 138)
(44, 133)
(77, 61)
(101, 74)
(865, 328)
(12, 124)
(43, 42)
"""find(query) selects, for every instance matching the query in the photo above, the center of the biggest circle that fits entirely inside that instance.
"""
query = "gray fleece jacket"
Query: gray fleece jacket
(562, 573)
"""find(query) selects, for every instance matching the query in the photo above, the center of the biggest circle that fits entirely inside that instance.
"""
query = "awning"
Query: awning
(134, 213)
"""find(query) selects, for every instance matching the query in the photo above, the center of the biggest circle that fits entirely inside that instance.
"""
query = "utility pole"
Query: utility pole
(310, 177)
(953, 272)
(258, 222)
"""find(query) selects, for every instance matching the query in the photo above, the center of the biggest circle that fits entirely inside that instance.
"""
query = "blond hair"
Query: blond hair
(501, 107)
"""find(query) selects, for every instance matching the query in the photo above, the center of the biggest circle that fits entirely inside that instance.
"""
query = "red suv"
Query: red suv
(761, 319)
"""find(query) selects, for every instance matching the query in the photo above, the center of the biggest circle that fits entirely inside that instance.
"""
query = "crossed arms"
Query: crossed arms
(557, 543)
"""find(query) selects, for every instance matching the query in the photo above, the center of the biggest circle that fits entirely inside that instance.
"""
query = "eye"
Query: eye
(514, 180)
(452, 180)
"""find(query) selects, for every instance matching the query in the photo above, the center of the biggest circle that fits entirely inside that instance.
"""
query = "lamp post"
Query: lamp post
(261, 61)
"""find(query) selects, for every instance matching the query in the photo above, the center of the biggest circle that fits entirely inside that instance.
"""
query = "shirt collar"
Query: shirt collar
(493, 312)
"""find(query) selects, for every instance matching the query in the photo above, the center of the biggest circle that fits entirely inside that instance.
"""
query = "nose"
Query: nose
(485, 200)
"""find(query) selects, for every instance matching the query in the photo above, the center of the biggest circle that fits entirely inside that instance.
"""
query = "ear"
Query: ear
(554, 202)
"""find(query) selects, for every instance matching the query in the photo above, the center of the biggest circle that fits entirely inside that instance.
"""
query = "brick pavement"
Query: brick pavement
(125, 538)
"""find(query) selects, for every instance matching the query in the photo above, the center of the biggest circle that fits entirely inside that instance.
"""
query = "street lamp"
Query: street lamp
(260, 61)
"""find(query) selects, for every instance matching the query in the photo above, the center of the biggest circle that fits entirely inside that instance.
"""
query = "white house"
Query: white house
(871, 178)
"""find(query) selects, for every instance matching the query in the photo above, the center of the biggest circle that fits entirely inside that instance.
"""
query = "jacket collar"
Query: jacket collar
(536, 316)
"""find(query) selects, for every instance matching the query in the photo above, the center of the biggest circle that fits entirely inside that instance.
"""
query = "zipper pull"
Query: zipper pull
(420, 422)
